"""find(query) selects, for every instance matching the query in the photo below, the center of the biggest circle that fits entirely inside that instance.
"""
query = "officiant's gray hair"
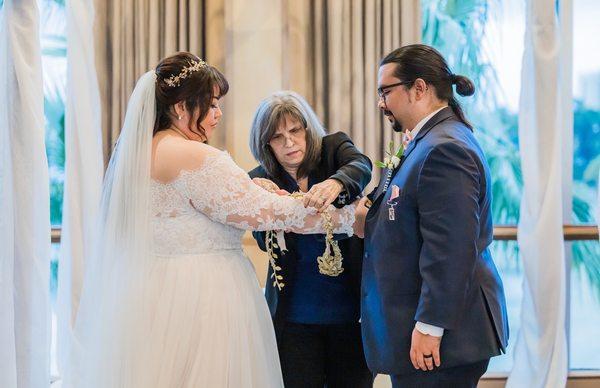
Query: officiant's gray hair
(270, 115)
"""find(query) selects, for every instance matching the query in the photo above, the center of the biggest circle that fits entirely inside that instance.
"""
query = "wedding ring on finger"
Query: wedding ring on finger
(428, 360)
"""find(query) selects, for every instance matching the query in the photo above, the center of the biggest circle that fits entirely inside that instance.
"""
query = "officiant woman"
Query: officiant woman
(316, 316)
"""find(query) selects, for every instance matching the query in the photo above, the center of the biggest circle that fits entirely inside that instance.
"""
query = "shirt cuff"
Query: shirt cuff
(425, 328)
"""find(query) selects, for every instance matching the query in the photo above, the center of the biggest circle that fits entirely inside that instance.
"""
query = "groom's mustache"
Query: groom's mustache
(396, 125)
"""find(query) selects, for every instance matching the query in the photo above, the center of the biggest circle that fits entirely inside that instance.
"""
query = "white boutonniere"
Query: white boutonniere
(392, 159)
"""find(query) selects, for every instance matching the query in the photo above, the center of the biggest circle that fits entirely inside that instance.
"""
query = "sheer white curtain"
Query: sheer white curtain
(541, 347)
(24, 202)
(83, 166)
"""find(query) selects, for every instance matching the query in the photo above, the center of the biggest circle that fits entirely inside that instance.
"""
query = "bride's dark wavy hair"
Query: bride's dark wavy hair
(422, 61)
(196, 90)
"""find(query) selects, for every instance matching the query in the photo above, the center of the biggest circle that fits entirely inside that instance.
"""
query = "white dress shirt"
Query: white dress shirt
(426, 328)
(421, 124)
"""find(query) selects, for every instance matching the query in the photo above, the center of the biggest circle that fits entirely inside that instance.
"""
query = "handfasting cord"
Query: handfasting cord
(330, 263)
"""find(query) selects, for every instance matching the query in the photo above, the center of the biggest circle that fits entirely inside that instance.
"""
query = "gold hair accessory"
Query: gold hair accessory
(330, 263)
(193, 66)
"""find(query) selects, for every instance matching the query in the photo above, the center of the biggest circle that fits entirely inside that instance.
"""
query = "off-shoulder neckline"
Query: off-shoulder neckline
(184, 172)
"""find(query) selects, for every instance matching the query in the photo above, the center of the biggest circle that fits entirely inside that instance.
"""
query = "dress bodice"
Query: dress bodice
(208, 209)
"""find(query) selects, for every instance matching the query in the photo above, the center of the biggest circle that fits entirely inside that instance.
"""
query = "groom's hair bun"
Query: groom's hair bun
(464, 86)
(184, 77)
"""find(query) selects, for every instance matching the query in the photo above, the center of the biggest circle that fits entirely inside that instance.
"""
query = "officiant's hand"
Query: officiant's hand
(323, 194)
(360, 215)
(425, 345)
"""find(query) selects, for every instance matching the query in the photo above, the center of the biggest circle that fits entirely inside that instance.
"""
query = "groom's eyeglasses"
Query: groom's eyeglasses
(384, 90)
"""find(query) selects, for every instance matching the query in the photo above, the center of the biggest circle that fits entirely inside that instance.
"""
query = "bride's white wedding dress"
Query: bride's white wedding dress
(211, 325)
(169, 299)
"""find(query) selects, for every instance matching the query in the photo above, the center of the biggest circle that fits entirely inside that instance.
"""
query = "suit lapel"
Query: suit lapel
(442, 115)
(379, 190)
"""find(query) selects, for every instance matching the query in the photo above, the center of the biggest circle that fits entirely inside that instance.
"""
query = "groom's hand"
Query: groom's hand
(425, 345)
(360, 215)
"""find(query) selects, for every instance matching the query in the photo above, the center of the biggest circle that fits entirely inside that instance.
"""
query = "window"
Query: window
(585, 274)
(484, 41)
(54, 67)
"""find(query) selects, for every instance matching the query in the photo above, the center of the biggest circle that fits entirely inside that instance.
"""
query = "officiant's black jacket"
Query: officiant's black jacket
(340, 160)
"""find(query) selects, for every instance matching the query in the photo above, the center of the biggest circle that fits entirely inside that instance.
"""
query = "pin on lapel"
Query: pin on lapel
(394, 193)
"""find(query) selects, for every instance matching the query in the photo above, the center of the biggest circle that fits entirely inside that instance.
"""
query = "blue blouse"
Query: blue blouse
(315, 298)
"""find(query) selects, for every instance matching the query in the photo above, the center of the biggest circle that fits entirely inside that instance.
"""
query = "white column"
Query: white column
(253, 67)
(24, 203)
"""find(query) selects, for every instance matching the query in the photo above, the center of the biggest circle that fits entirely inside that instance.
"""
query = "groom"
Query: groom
(433, 309)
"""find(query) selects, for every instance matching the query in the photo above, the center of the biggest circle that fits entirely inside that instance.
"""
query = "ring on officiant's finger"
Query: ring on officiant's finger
(428, 356)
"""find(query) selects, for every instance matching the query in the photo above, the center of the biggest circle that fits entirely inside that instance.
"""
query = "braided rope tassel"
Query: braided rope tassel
(271, 245)
(330, 263)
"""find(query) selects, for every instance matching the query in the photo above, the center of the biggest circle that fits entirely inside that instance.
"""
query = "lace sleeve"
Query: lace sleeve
(225, 193)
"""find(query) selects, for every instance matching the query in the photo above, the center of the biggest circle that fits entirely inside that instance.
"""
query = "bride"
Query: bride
(170, 299)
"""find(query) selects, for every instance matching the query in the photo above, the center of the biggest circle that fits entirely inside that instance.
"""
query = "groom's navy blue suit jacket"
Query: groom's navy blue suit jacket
(432, 263)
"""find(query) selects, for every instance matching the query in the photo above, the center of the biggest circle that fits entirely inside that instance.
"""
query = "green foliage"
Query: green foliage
(586, 145)
(54, 52)
(55, 152)
(54, 62)
(457, 29)
(54, 272)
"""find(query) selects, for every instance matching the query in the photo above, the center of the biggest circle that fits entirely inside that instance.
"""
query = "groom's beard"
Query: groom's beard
(396, 125)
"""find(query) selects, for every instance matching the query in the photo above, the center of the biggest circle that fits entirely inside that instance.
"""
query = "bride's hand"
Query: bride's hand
(360, 214)
(269, 185)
